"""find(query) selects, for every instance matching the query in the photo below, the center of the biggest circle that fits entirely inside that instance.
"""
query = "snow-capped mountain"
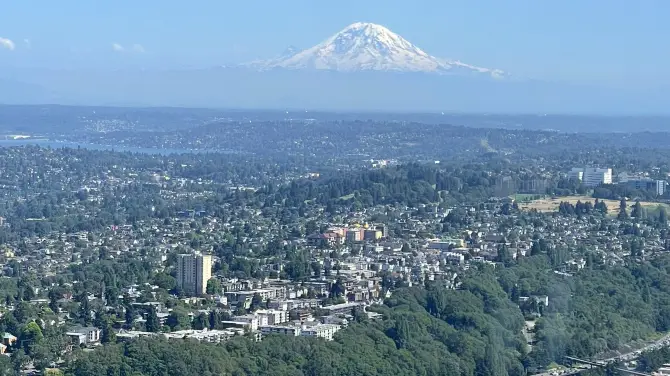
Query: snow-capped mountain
(369, 47)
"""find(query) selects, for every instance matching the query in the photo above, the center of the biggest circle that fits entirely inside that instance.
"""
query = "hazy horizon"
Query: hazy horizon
(153, 54)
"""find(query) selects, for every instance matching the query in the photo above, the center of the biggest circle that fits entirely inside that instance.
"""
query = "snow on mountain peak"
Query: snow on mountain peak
(364, 46)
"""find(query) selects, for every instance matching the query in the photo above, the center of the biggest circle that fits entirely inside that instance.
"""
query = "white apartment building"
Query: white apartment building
(325, 331)
(205, 335)
(193, 272)
(317, 330)
(591, 176)
(274, 316)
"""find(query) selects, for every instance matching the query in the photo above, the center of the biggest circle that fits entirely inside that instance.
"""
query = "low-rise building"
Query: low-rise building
(286, 330)
(84, 335)
(325, 331)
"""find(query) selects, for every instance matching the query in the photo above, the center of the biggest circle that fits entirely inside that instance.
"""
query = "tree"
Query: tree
(215, 319)
(153, 324)
(337, 289)
(178, 319)
(316, 269)
(129, 315)
(405, 248)
(108, 334)
(637, 211)
(623, 214)
(662, 217)
(164, 281)
(31, 334)
(19, 359)
(213, 286)
(611, 369)
(112, 295)
(402, 332)
(200, 322)
(492, 362)
(84, 308)
(257, 302)
(24, 311)
(504, 255)
(535, 249)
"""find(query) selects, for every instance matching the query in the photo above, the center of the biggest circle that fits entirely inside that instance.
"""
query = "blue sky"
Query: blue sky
(611, 41)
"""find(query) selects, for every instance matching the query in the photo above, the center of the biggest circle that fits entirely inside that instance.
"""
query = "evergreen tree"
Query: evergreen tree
(662, 216)
(504, 255)
(153, 324)
(402, 332)
(623, 214)
(108, 334)
(129, 315)
(200, 322)
(535, 249)
(84, 308)
(637, 210)
(215, 319)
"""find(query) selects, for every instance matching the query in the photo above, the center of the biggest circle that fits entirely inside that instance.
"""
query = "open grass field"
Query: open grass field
(550, 204)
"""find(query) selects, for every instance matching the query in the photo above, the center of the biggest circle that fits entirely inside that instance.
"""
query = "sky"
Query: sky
(618, 42)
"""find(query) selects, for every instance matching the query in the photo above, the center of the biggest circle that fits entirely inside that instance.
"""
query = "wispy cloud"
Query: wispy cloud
(6, 43)
(28, 43)
(137, 48)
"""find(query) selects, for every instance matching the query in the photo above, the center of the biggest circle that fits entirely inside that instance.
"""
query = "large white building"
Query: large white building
(318, 330)
(193, 272)
(325, 331)
(591, 176)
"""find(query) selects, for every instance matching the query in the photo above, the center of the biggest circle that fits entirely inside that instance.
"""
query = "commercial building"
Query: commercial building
(591, 176)
(193, 272)
(647, 184)
(577, 173)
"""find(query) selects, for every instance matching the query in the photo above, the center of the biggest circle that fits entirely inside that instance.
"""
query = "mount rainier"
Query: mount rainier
(364, 67)
(369, 47)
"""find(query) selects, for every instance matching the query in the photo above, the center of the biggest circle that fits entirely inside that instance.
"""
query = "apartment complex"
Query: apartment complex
(591, 176)
(193, 272)
(317, 330)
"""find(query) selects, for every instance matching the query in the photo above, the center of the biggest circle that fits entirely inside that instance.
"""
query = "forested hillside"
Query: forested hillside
(473, 330)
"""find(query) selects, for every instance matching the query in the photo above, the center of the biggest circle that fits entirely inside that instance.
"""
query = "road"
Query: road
(627, 357)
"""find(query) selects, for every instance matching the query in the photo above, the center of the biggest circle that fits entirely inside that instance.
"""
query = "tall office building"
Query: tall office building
(193, 272)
